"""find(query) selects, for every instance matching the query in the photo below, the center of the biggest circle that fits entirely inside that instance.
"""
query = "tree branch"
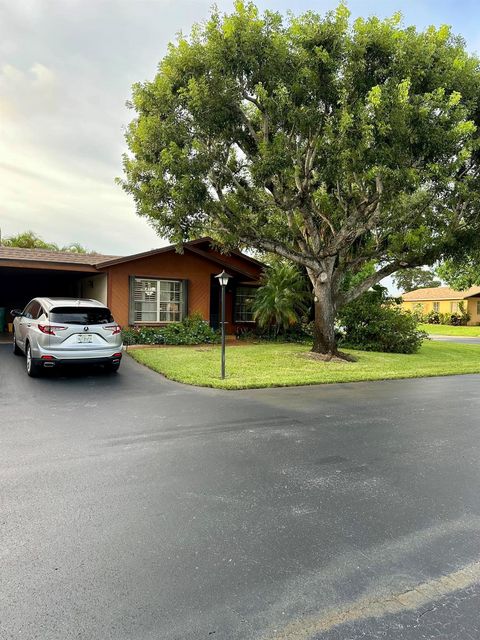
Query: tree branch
(253, 100)
(249, 126)
(281, 250)
(385, 271)
(362, 219)
(323, 217)
(370, 281)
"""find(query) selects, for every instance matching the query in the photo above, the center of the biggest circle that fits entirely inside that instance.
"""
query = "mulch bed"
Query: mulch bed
(342, 358)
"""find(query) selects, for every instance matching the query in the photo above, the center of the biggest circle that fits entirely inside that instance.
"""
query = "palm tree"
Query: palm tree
(282, 297)
(29, 240)
(74, 247)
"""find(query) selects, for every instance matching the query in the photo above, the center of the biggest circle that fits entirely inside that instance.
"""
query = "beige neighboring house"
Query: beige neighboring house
(444, 300)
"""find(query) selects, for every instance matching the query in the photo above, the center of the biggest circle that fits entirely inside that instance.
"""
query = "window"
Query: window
(157, 300)
(81, 315)
(455, 307)
(436, 306)
(478, 307)
(32, 311)
(243, 304)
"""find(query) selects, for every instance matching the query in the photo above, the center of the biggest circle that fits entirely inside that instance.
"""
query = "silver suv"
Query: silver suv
(56, 331)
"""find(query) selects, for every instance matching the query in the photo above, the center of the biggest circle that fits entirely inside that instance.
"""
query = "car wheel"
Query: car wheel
(16, 349)
(113, 368)
(33, 370)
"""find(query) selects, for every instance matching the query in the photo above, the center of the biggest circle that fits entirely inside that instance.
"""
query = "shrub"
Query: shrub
(295, 333)
(192, 330)
(462, 317)
(459, 318)
(140, 335)
(417, 313)
(433, 317)
(375, 322)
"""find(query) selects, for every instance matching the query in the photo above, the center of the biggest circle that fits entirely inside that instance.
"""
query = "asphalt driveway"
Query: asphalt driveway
(136, 508)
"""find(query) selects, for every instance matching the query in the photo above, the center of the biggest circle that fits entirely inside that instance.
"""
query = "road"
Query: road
(136, 508)
(461, 339)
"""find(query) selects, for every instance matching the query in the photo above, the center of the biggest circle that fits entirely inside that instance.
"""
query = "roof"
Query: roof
(440, 293)
(192, 245)
(99, 261)
(69, 302)
(46, 255)
(223, 263)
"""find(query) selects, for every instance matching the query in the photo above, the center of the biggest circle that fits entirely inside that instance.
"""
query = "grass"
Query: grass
(278, 365)
(447, 330)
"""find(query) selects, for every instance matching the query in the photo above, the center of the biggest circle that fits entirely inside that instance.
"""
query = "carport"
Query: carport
(26, 274)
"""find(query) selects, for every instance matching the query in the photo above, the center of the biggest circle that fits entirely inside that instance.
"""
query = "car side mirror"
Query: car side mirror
(16, 313)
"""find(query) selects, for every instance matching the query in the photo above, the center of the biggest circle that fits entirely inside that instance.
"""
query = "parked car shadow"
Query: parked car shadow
(78, 371)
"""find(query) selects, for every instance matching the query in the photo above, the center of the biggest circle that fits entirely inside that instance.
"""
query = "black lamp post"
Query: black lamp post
(223, 279)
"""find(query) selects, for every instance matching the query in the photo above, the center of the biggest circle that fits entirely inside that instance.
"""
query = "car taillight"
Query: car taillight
(114, 328)
(50, 329)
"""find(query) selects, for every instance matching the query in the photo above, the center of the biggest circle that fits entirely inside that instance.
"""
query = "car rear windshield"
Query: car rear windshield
(81, 315)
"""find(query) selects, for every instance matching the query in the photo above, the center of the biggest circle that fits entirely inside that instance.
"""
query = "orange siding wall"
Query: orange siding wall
(187, 266)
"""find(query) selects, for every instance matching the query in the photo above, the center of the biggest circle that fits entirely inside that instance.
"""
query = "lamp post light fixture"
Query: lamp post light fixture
(223, 279)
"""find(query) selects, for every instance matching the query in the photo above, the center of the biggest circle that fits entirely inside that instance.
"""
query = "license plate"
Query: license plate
(84, 338)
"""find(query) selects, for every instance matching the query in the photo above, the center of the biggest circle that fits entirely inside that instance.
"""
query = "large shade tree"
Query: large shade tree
(416, 278)
(334, 145)
(463, 270)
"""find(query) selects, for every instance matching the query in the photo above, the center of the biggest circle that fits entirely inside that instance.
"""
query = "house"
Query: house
(150, 288)
(444, 300)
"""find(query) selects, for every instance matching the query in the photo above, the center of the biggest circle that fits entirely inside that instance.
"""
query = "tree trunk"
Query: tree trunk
(324, 326)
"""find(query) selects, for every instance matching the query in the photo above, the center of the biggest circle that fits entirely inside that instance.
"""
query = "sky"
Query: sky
(66, 71)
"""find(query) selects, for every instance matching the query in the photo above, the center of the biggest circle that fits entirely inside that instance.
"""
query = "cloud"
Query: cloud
(39, 77)
(66, 70)
(43, 76)
(26, 93)
(65, 75)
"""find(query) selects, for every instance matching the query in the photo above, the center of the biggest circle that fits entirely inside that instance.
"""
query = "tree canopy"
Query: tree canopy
(333, 144)
(417, 278)
(462, 271)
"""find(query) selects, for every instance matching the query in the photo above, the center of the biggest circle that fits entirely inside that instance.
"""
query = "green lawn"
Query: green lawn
(446, 330)
(278, 365)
